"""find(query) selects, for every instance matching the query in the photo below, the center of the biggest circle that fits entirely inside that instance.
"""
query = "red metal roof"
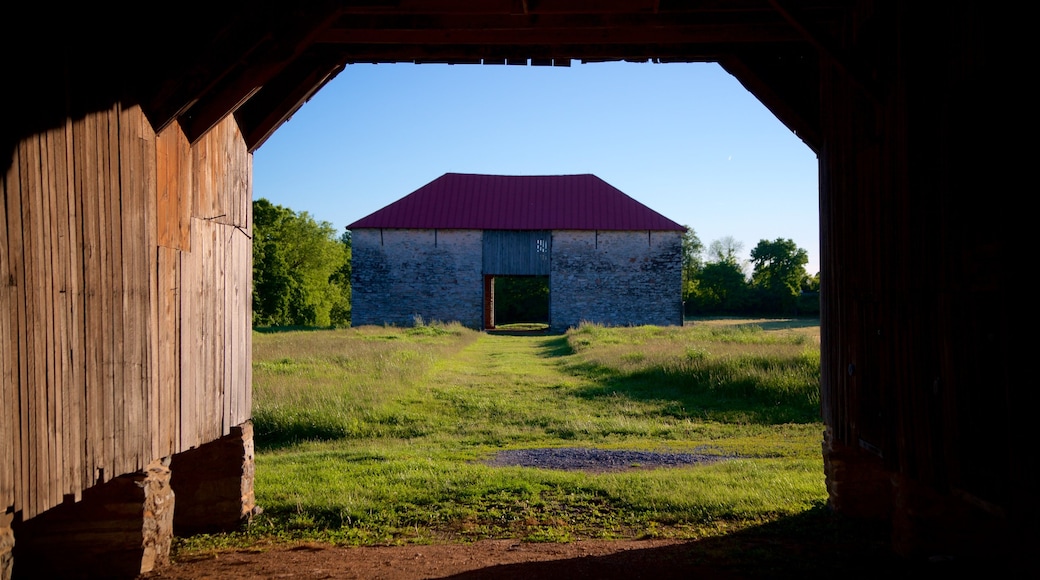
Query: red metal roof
(517, 202)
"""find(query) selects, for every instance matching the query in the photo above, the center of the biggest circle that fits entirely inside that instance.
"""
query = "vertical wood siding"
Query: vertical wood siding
(125, 272)
(913, 311)
(517, 253)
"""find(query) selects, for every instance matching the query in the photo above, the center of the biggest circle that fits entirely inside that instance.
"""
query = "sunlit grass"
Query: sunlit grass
(377, 435)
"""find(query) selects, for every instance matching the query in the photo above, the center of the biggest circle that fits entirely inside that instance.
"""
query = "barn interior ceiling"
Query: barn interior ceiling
(261, 61)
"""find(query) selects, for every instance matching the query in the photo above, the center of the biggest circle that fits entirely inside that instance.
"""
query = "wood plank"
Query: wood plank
(248, 201)
(10, 433)
(34, 384)
(239, 277)
(88, 156)
(228, 334)
(174, 179)
(111, 282)
(239, 193)
(202, 296)
(214, 347)
(151, 301)
(190, 331)
(130, 222)
(169, 355)
(223, 171)
(239, 335)
(7, 339)
(245, 325)
(138, 187)
(206, 166)
(76, 424)
(20, 360)
(52, 171)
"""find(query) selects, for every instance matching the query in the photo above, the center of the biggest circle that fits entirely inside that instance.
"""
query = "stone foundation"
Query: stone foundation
(214, 484)
(858, 486)
(6, 547)
(119, 529)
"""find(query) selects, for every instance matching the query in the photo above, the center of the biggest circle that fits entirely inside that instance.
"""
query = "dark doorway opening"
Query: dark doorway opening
(518, 302)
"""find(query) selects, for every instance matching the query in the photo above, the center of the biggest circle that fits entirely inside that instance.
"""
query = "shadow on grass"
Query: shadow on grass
(814, 544)
(706, 393)
(555, 347)
(763, 323)
(270, 437)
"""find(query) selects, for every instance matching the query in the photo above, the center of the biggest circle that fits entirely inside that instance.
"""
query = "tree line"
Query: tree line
(715, 282)
(301, 274)
(301, 269)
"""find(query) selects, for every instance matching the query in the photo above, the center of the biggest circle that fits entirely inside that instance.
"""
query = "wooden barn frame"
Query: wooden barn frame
(126, 150)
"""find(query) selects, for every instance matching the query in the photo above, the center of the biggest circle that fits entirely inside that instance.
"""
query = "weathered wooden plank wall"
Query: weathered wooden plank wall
(518, 253)
(921, 415)
(125, 271)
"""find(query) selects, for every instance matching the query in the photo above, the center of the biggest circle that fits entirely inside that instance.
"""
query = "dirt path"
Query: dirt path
(770, 552)
(486, 559)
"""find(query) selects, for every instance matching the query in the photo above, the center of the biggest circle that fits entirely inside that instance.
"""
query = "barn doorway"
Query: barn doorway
(517, 302)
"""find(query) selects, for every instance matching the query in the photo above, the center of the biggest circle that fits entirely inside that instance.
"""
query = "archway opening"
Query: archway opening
(391, 143)
(520, 302)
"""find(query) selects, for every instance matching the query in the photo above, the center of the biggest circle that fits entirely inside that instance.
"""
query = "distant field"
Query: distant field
(378, 435)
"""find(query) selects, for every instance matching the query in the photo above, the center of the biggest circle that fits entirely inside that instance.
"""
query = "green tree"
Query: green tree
(297, 269)
(720, 286)
(779, 273)
(340, 312)
(811, 283)
(692, 261)
(721, 289)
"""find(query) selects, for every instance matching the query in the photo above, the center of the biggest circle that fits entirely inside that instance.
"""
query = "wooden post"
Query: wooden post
(489, 302)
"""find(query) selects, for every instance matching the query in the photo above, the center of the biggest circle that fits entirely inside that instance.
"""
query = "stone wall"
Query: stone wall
(401, 274)
(609, 277)
(214, 484)
(615, 278)
(6, 546)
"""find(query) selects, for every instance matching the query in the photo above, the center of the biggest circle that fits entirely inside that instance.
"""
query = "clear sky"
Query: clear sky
(687, 140)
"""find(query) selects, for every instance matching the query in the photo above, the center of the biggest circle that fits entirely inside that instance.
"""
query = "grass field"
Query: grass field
(377, 435)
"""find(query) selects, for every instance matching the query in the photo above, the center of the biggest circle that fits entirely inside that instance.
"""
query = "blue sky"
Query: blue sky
(687, 140)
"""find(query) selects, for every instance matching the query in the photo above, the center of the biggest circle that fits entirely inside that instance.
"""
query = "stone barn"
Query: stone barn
(436, 252)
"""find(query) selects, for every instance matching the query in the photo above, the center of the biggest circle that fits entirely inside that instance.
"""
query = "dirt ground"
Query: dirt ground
(486, 559)
(772, 551)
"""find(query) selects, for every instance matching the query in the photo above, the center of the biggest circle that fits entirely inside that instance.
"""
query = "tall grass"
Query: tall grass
(342, 384)
(732, 373)
(378, 435)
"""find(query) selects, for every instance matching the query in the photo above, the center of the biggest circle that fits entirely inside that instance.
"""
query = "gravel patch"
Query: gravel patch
(598, 460)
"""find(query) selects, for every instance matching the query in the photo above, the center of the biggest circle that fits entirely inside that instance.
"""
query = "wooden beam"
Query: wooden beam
(295, 31)
(564, 30)
(786, 85)
(355, 54)
(281, 98)
(828, 48)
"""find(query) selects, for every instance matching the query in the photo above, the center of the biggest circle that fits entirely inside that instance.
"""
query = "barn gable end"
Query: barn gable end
(610, 259)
